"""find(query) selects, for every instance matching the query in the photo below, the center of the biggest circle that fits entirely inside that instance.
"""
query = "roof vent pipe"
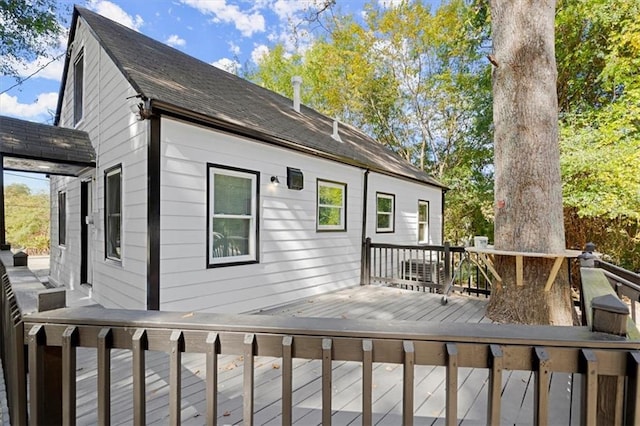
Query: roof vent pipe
(335, 135)
(296, 81)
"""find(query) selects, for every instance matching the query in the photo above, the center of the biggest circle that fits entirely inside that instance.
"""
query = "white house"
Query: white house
(211, 193)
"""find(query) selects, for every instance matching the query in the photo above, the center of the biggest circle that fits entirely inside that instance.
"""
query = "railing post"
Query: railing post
(365, 273)
(447, 261)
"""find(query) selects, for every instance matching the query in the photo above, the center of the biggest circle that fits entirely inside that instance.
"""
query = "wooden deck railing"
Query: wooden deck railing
(53, 338)
(422, 267)
(625, 283)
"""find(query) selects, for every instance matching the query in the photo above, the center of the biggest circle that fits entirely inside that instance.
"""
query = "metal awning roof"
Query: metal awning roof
(41, 148)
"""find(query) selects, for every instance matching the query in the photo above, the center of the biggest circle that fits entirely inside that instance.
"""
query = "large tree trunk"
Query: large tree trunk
(528, 189)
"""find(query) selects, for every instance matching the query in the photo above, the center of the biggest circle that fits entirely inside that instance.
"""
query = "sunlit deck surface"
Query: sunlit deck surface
(370, 302)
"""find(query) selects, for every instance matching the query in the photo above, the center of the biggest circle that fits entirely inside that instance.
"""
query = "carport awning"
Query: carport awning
(40, 148)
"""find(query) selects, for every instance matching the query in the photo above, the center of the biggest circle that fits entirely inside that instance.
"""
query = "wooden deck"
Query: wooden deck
(358, 303)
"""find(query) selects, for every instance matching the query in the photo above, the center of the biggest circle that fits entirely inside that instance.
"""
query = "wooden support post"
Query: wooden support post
(367, 382)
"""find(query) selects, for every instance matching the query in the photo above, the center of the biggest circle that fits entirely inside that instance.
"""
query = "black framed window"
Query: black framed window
(62, 218)
(232, 214)
(332, 206)
(423, 221)
(78, 87)
(113, 213)
(385, 212)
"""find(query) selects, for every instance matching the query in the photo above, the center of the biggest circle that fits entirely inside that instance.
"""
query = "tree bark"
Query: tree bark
(528, 189)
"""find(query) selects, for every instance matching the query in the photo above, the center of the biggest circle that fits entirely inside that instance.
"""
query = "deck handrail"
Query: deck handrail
(421, 266)
(626, 283)
(541, 349)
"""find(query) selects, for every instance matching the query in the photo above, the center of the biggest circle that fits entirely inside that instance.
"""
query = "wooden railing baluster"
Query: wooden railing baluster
(176, 342)
(139, 347)
(69, 342)
(104, 376)
(590, 388)
(327, 361)
(541, 395)
(452, 384)
(213, 349)
(367, 381)
(287, 380)
(407, 382)
(496, 364)
(247, 379)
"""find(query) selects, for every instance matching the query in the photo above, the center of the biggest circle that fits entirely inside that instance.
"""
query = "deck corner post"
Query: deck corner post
(365, 273)
(447, 261)
(45, 378)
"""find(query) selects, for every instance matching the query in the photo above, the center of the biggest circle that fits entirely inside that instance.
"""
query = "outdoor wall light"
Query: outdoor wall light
(275, 180)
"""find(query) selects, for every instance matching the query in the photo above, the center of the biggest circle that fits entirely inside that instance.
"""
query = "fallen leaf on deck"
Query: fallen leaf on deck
(190, 314)
(226, 414)
(275, 366)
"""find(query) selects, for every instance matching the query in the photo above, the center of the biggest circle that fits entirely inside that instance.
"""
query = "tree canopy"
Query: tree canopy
(27, 218)
(28, 29)
(418, 80)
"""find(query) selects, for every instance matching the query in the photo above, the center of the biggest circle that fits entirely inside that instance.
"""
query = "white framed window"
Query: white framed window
(331, 208)
(78, 87)
(62, 218)
(113, 213)
(385, 212)
(232, 214)
(423, 221)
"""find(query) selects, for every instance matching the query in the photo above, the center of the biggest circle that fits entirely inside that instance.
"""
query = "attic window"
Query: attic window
(78, 87)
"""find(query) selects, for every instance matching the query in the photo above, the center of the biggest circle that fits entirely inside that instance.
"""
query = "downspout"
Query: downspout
(3, 235)
(153, 213)
(363, 253)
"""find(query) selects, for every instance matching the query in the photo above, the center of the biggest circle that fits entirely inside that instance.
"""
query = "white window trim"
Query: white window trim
(252, 257)
(391, 214)
(343, 210)
(418, 222)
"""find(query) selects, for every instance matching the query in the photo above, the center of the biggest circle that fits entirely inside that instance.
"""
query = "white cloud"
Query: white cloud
(286, 9)
(116, 13)
(228, 65)
(174, 40)
(43, 106)
(234, 48)
(50, 70)
(258, 53)
(247, 22)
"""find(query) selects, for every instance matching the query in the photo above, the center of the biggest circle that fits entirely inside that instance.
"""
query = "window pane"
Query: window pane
(62, 218)
(422, 232)
(330, 216)
(422, 213)
(232, 195)
(78, 85)
(384, 204)
(329, 195)
(231, 237)
(384, 221)
(114, 214)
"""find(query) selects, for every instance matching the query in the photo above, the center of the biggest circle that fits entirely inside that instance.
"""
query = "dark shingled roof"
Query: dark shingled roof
(174, 81)
(35, 147)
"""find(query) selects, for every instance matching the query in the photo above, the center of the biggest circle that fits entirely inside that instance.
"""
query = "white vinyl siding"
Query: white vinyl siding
(118, 138)
(233, 198)
(385, 212)
(331, 206)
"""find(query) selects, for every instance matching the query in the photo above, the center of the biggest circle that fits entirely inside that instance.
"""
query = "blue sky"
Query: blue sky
(224, 33)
